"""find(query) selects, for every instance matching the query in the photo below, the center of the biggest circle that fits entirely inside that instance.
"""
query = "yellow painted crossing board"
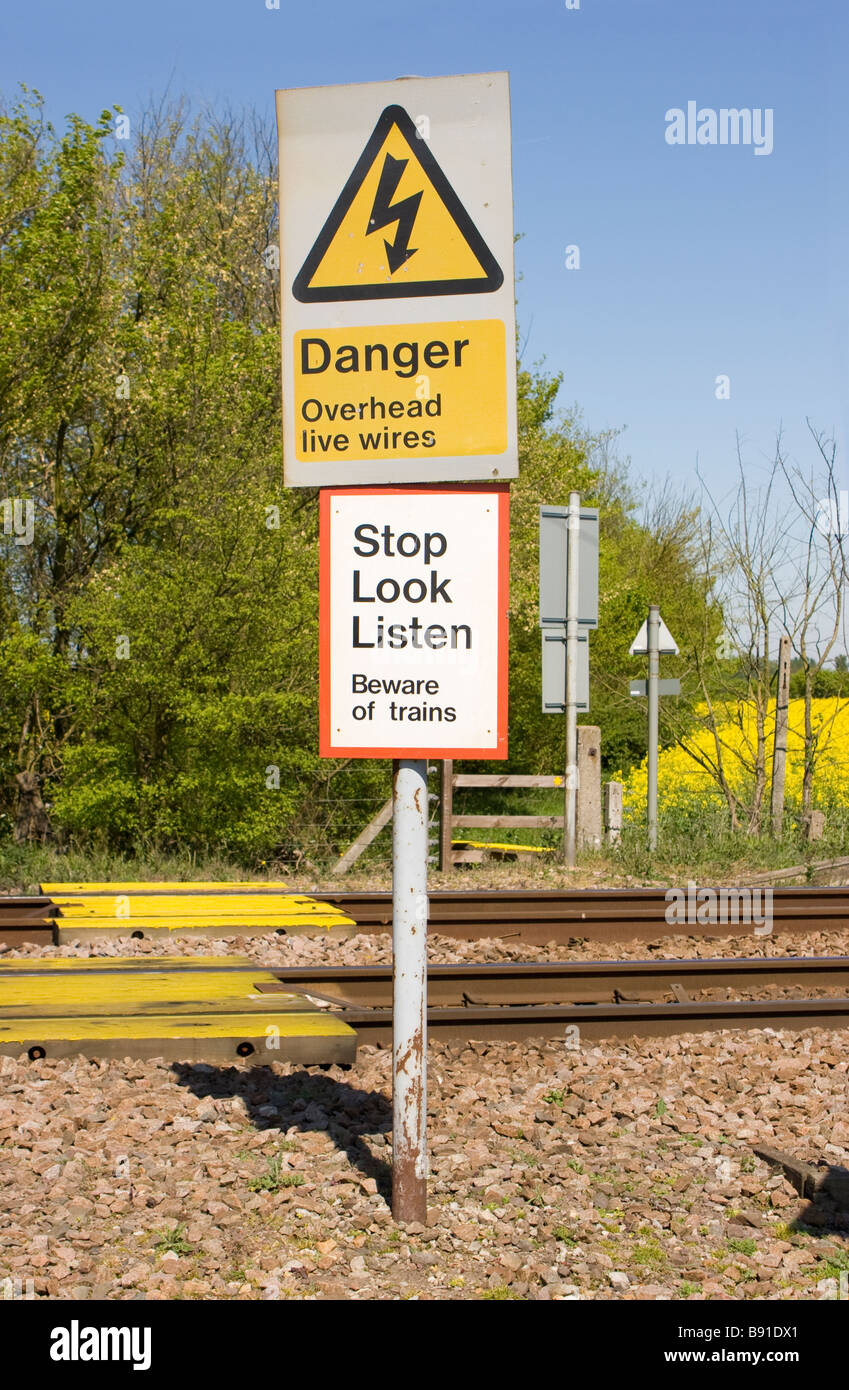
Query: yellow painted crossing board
(188, 1008)
(162, 905)
(88, 911)
(165, 886)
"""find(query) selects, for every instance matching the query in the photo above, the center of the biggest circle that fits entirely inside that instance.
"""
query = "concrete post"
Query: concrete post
(612, 812)
(589, 786)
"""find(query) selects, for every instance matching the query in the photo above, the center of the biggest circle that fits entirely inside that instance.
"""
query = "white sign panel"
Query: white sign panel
(414, 622)
(666, 644)
(396, 281)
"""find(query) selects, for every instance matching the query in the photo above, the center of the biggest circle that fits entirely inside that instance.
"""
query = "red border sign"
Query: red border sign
(327, 748)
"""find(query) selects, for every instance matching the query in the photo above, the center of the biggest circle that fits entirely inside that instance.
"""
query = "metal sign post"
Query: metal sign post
(654, 709)
(409, 983)
(568, 608)
(570, 810)
(653, 638)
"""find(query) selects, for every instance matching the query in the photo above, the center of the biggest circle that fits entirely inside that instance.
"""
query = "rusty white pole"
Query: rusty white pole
(409, 982)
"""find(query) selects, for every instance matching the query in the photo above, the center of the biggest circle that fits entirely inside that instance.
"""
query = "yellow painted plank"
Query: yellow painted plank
(82, 919)
(162, 905)
(484, 844)
(233, 1003)
(225, 927)
(56, 993)
(162, 886)
(130, 1027)
(174, 912)
(48, 964)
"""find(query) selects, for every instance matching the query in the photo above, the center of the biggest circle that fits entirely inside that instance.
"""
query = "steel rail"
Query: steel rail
(587, 1000)
(592, 1022)
(530, 917)
(539, 916)
(563, 982)
(599, 999)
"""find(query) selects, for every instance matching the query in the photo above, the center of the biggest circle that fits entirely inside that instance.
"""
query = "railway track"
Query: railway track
(536, 917)
(530, 917)
(599, 999)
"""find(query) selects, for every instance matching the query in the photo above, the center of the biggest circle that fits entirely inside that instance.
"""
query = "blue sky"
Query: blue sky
(696, 261)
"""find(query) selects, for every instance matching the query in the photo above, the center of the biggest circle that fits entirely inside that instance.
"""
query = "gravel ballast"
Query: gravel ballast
(558, 1171)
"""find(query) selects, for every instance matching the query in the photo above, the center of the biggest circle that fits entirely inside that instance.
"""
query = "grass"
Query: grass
(499, 1293)
(173, 1241)
(565, 1236)
(648, 1252)
(23, 867)
(745, 1246)
(275, 1178)
(699, 846)
(833, 1265)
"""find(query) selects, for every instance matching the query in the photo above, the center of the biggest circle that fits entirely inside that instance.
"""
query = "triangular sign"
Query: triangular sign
(398, 229)
(666, 644)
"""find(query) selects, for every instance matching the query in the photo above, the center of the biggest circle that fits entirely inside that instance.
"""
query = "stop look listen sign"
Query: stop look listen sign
(413, 626)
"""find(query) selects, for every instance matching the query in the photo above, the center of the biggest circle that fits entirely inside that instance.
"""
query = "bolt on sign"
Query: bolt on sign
(396, 265)
(413, 622)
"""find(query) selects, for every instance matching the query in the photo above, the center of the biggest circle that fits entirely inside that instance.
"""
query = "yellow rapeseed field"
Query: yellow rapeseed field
(685, 786)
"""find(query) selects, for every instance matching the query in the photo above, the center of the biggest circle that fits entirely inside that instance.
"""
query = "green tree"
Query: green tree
(158, 656)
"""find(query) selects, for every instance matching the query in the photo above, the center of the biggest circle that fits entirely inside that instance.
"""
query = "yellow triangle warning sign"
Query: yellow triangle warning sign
(398, 228)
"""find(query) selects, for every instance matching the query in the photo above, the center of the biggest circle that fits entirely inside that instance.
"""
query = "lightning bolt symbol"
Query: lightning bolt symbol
(404, 213)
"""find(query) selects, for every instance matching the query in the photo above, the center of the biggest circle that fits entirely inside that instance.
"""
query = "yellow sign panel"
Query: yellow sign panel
(398, 228)
(402, 392)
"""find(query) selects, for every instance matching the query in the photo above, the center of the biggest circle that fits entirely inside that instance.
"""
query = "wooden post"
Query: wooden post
(779, 747)
(446, 812)
(612, 812)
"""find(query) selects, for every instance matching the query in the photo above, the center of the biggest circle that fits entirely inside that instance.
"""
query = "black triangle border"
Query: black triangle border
(494, 277)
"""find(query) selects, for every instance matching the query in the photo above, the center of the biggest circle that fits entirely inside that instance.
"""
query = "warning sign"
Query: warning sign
(398, 229)
(396, 265)
(414, 623)
(379, 393)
